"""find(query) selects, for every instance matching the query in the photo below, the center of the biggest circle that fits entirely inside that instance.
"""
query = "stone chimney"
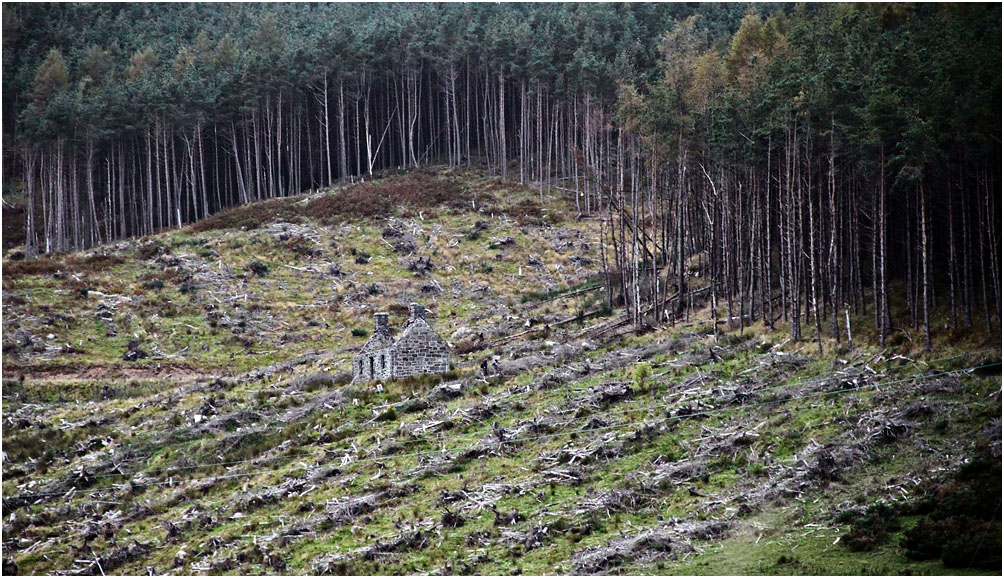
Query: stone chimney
(381, 324)
(417, 312)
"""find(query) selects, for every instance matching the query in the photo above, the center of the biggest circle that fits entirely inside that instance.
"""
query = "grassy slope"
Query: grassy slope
(243, 462)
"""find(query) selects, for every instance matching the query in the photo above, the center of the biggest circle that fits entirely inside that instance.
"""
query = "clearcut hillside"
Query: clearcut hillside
(181, 403)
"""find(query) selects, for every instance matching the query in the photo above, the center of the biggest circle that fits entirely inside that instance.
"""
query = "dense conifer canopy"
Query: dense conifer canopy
(830, 147)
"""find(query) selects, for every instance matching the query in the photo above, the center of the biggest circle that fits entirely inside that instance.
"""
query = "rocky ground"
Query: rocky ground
(181, 404)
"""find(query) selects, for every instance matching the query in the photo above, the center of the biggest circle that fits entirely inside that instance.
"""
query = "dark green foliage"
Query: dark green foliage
(359, 332)
(258, 268)
(959, 542)
(51, 79)
(988, 366)
(389, 414)
(870, 528)
(114, 72)
(962, 525)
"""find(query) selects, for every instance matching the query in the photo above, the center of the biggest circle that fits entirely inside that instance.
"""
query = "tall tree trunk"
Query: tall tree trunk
(327, 131)
(343, 157)
(241, 188)
(923, 241)
(202, 170)
(30, 163)
(503, 157)
(95, 230)
(149, 180)
(884, 291)
(834, 272)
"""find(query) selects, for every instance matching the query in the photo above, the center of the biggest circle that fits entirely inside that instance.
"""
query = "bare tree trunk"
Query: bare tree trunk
(988, 200)
(75, 214)
(193, 188)
(540, 146)
(327, 131)
(834, 273)
(814, 267)
(713, 226)
(503, 157)
(168, 194)
(45, 182)
(984, 278)
(267, 138)
(149, 180)
(278, 145)
(30, 242)
(95, 230)
(241, 188)
(923, 241)
(884, 292)
(176, 175)
(343, 157)
(768, 211)
(202, 170)
(123, 209)
(681, 175)
(456, 116)
(109, 198)
(366, 127)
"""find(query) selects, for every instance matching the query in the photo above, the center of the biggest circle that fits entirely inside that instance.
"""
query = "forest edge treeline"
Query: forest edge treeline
(797, 159)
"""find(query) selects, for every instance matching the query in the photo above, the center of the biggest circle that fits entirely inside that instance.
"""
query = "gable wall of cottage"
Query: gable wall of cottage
(419, 350)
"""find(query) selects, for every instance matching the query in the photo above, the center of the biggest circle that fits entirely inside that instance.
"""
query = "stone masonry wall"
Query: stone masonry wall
(376, 358)
(372, 365)
(419, 350)
(417, 353)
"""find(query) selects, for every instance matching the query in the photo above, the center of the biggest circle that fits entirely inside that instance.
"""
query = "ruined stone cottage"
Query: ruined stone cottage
(418, 350)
